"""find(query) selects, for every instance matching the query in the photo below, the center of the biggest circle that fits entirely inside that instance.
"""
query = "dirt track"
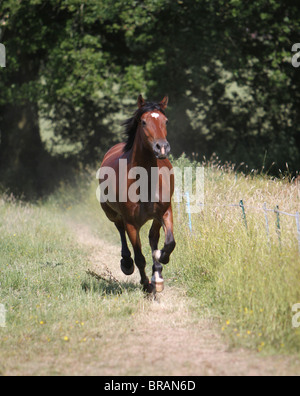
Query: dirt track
(166, 338)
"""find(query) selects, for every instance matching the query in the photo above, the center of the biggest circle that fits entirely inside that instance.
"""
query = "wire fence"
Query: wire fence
(244, 208)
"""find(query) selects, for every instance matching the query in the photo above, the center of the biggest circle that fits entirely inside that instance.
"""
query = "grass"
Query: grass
(53, 306)
(247, 283)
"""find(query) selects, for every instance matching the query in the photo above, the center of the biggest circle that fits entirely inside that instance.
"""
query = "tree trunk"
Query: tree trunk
(21, 149)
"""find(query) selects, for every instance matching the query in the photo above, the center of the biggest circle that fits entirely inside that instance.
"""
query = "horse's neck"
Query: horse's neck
(142, 156)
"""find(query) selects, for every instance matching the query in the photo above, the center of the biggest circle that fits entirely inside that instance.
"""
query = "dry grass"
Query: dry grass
(249, 282)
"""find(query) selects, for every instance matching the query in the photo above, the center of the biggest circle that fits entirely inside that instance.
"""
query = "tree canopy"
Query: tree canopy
(226, 66)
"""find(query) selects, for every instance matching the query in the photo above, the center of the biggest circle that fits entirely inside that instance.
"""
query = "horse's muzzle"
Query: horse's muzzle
(161, 149)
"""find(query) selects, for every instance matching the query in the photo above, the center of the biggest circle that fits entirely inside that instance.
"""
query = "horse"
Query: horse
(146, 148)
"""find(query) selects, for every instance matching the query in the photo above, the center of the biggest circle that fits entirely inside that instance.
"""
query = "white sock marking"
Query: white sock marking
(156, 278)
(157, 255)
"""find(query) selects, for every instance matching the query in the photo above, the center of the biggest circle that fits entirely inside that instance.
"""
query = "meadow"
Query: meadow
(248, 281)
(243, 281)
(53, 306)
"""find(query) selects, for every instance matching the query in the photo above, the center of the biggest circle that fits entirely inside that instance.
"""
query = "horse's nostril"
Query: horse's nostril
(161, 148)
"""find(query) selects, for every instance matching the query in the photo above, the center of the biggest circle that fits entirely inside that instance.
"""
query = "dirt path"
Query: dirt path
(166, 338)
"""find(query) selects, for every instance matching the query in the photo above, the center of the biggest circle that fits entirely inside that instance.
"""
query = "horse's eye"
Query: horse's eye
(144, 123)
(167, 122)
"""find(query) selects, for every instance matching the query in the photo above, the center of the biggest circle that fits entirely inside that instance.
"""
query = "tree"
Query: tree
(226, 66)
(28, 31)
(69, 62)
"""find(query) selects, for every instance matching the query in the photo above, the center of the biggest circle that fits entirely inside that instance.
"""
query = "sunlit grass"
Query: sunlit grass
(247, 280)
(52, 305)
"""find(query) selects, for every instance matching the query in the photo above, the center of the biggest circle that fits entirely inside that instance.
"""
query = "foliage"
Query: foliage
(226, 66)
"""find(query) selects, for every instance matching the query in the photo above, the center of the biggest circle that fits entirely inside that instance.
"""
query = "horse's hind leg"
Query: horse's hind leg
(140, 260)
(157, 278)
(127, 264)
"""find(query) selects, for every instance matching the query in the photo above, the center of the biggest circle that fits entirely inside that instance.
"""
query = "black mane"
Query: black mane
(131, 125)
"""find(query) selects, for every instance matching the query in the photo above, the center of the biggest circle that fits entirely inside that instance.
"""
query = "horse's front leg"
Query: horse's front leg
(134, 236)
(157, 278)
(163, 256)
(127, 264)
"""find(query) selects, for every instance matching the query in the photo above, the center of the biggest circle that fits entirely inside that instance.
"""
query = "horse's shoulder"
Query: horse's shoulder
(114, 152)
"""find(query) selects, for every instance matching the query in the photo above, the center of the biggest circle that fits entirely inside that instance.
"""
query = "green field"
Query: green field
(244, 282)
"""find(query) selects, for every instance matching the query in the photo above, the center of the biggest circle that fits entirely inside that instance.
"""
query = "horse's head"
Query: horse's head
(154, 127)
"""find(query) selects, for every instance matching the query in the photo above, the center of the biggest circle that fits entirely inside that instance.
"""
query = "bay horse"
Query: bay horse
(146, 147)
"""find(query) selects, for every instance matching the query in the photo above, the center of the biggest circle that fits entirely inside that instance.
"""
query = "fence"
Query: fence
(243, 209)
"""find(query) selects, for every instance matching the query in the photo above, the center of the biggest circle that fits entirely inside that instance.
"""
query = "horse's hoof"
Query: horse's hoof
(127, 266)
(149, 288)
(159, 287)
(158, 283)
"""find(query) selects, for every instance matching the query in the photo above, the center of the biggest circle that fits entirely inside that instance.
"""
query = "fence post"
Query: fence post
(278, 225)
(244, 213)
(267, 222)
(189, 210)
(298, 228)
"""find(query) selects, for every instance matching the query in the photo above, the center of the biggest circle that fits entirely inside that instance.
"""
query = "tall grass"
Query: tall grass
(246, 280)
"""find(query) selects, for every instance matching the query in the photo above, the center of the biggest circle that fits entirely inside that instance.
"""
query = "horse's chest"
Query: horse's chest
(146, 211)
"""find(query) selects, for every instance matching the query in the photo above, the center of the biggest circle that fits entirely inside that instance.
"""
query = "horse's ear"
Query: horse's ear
(164, 103)
(141, 102)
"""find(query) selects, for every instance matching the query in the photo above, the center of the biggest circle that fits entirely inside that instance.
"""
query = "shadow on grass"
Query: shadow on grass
(51, 265)
(103, 287)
